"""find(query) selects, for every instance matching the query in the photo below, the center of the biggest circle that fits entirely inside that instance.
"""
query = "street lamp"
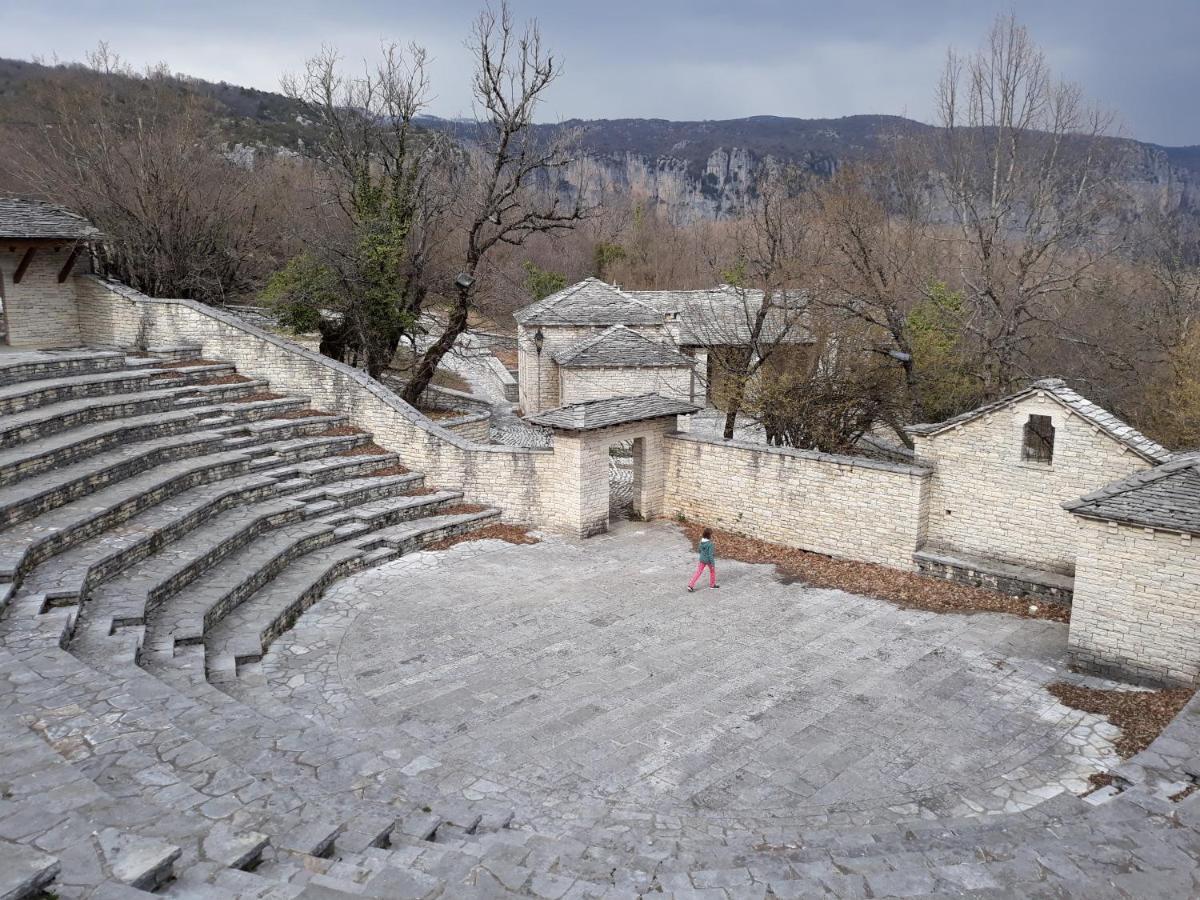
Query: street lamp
(538, 340)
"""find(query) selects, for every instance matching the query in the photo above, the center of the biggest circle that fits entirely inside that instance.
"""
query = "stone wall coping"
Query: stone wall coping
(859, 462)
(364, 381)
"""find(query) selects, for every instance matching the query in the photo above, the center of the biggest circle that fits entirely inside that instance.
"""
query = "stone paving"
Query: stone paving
(583, 672)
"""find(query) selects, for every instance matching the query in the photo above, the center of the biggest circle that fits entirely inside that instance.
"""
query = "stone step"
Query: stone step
(62, 508)
(33, 394)
(181, 351)
(24, 872)
(20, 428)
(185, 616)
(39, 365)
(124, 601)
(97, 836)
(245, 633)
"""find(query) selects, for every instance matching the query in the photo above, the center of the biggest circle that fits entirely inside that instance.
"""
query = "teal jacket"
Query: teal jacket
(707, 551)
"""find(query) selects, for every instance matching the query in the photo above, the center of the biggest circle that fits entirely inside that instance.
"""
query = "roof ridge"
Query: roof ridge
(586, 342)
(1136, 480)
(1116, 428)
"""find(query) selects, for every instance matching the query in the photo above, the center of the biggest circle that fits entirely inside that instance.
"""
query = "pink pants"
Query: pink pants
(712, 574)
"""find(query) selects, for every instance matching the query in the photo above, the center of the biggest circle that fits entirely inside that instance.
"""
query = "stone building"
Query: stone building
(1001, 474)
(1136, 611)
(41, 247)
(689, 328)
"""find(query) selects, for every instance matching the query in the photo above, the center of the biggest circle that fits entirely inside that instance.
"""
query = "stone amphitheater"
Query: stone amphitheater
(240, 659)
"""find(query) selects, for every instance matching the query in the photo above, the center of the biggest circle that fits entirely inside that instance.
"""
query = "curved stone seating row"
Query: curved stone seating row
(114, 513)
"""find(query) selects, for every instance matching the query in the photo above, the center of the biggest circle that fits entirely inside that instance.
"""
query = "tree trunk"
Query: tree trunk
(432, 357)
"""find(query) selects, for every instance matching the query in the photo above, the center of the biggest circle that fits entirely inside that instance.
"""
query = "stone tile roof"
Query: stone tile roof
(620, 347)
(1057, 389)
(590, 302)
(724, 316)
(35, 220)
(1166, 497)
(593, 414)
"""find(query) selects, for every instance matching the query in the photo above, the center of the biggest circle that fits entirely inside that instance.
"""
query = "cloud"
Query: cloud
(679, 59)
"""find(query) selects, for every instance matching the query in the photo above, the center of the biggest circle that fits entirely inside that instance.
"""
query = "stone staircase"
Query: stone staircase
(163, 520)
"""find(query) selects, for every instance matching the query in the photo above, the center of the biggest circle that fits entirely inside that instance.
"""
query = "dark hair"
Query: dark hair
(707, 533)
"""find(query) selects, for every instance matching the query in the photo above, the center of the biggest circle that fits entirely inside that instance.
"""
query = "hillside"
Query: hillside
(697, 169)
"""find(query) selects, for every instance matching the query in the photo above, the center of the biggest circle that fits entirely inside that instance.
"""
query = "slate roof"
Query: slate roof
(590, 302)
(1166, 497)
(620, 347)
(35, 220)
(1057, 389)
(593, 414)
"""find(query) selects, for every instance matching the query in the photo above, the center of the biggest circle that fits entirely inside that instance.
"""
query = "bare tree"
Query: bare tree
(384, 180)
(509, 189)
(762, 309)
(136, 153)
(1030, 176)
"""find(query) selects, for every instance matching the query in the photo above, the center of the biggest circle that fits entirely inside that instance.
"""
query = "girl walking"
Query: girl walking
(708, 558)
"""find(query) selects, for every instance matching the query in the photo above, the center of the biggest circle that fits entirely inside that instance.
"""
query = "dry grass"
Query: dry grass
(302, 414)
(397, 469)
(258, 397)
(1185, 793)
(1141, 715)
(461, 509)
(512, 534)
(339, 431)
(441, 415)
(508, 357)
(368, 449)
(905, 589)
(225, 379)
(187, 363)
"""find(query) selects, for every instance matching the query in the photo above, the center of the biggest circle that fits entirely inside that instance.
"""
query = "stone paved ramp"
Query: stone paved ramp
(584, 672)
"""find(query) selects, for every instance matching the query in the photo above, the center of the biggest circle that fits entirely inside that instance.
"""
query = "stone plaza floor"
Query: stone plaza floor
(574, 679)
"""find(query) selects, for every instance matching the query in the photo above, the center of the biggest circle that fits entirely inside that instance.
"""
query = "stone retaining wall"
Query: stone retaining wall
(838, 505)
(519, 481)
(1136, 612)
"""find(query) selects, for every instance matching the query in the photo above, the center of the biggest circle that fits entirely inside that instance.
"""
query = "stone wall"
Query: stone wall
(842, 506)
(519, 481)
(986, 501)
(40, 311)
(1136, 612)
(584, 383)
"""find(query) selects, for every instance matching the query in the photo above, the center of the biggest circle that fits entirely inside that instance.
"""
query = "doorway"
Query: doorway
(625, 460)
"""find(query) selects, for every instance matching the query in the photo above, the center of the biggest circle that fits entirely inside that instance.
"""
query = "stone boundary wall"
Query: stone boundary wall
(1136, 612)
(842, 506)
(521, 482)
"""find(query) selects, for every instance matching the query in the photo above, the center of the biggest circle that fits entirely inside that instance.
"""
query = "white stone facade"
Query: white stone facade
(984, 500)
(1136, 611)
(577, 384)
(837, 505)
(40, 311)
(539, 382)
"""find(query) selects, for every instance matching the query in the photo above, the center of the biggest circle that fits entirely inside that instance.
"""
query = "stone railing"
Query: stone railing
(843, 506)
(521, 482)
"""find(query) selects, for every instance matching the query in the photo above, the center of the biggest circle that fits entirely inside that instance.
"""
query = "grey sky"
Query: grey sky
(667, 58)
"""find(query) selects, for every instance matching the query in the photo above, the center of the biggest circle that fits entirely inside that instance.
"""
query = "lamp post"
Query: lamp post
(538, 340)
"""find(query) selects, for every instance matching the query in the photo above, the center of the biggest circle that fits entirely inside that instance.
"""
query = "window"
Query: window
(1039, 440)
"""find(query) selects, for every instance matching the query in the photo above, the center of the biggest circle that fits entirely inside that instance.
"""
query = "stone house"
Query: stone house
(661, 341)
(41, 247)
(1001, 474)
(1136, 611)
